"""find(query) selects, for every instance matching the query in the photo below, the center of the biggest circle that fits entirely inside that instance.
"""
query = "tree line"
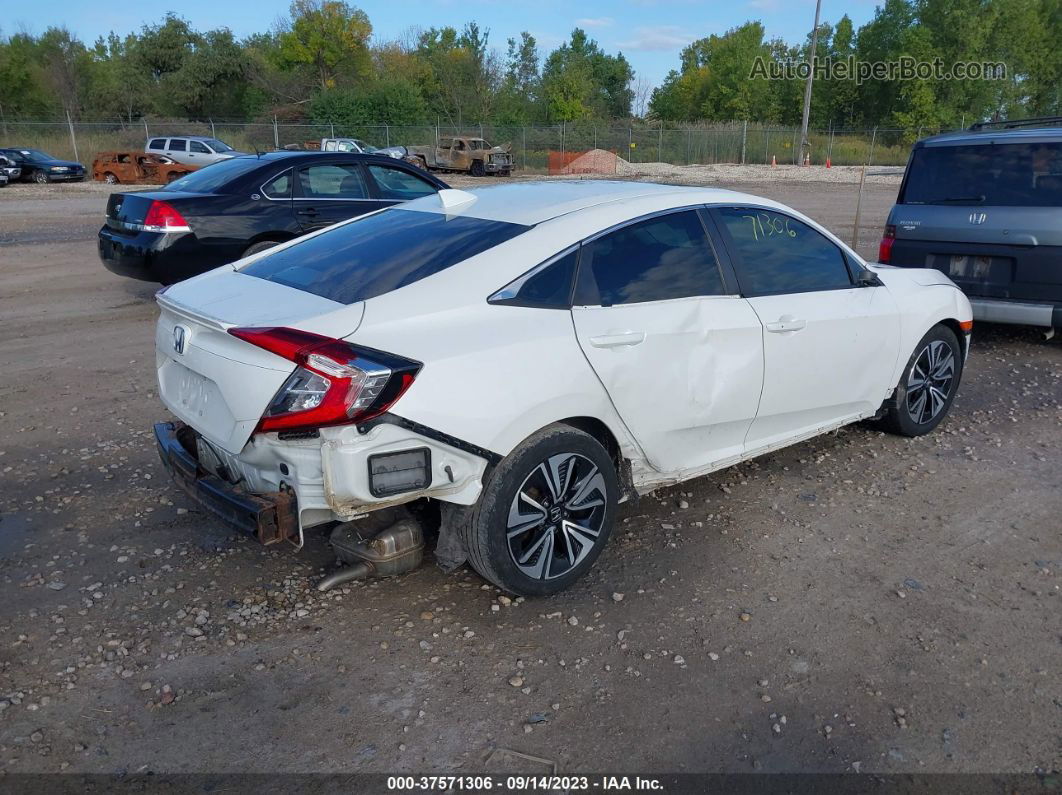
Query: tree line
(322, 64)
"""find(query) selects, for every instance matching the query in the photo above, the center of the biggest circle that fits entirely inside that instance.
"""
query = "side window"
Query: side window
(655, 260)
(777, 254)
(332, 182)
(549, 287)
(177, 144)
(195, 146)
(157, 143)
(279, 187)
(394, 183)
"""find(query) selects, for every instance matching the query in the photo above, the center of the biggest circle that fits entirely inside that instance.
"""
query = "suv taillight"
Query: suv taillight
(335, 383)
(162, 217)
(885, 246)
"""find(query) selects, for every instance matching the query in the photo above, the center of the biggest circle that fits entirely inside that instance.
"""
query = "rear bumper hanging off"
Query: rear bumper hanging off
(269, 517)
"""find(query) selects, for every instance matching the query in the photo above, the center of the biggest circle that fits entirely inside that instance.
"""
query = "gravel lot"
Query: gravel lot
(858, 603)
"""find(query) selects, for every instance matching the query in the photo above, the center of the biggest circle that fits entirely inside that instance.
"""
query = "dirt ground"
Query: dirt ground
(858, 603)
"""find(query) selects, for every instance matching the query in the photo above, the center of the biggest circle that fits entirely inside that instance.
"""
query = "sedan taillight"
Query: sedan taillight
(163, 217)
(335, 383)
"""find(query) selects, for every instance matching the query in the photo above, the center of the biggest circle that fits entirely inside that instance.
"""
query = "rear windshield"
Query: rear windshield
(380, 253)
(210, 179)
(1001, 175)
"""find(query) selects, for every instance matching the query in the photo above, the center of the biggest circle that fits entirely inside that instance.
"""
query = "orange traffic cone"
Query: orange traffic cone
(774, 162)
(827, 162)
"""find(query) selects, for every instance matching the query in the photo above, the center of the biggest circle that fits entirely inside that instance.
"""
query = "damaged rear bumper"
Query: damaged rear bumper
(268, 517)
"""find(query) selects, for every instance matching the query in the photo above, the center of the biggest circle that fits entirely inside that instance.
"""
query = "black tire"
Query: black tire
(927, 386)
(41, 177)
(261, 245)
(477, 169)
(564, 545)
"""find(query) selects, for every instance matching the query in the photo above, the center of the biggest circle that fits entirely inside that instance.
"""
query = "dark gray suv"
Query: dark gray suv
(985, 207)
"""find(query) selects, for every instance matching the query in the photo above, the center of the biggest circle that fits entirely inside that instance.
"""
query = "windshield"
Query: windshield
(218, 146)
(210, 179)
(380, 253)
(34, 155)
(991, 174)
(367, 148)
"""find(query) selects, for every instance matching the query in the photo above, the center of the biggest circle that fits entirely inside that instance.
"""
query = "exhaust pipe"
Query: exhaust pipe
(372, 552)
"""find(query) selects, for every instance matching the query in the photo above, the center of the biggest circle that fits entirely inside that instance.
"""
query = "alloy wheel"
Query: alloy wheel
(930, 381)
(556, 517)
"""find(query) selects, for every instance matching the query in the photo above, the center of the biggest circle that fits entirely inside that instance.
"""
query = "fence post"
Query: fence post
(276, 134)
(332, 127)
(873, 139)
(387, 135)
(146, 133)
(212, 133)
(660, 143)
(630, 143)
(523, 135)
(744, 136)
(73, 138)
(689, 135)
(767, 146)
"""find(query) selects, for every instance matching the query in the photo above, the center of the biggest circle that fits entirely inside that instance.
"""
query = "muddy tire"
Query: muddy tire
(110, 178)
(545, 514)
(928, 385)
(477, 169)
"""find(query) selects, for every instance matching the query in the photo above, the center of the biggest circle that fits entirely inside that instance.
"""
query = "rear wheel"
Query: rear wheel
(261, 245)
(110, 178)
(477, 169)
(41, 177)
(927, 386)
(545, 514)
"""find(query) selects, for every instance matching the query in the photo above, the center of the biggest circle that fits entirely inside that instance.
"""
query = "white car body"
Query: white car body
(683, 386)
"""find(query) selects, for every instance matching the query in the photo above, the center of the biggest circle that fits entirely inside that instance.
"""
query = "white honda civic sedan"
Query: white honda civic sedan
(530, 355)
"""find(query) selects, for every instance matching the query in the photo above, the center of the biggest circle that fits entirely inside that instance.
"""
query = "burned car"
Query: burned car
(462, 153)
(137, 168)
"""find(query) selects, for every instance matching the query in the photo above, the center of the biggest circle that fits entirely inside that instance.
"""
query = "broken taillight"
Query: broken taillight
(334, 383)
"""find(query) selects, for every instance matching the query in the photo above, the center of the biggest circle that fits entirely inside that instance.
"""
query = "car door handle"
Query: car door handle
(786, 323)
(309, 211)
(619, 339)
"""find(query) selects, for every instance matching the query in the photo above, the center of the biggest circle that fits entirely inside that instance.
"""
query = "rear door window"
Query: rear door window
(990, 174)
(776, 254)
(380, 253)
(548, 286)
(178, 145)
(657, 259)
(333, 181)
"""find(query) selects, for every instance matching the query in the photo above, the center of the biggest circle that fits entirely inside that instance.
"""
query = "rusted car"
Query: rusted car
(463, 153)
(131, 168)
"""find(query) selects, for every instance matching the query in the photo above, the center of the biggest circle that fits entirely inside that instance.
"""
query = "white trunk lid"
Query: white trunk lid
(215, 382)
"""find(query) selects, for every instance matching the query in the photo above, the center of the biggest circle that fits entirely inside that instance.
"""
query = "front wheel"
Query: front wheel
(41, 177)
(545, 514)
(477, 169)
(927, 386)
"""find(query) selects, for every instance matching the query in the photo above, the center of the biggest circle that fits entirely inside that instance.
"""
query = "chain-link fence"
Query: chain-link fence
(735, 142)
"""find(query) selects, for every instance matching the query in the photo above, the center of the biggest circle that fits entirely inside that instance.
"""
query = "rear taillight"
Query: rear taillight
(334, 383)
(162, 217)
(885, 246)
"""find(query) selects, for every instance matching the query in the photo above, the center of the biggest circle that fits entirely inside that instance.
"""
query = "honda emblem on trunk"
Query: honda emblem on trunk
(978, 218)
(178, 339)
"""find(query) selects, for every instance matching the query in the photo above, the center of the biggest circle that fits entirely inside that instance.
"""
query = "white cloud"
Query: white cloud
(657, 38)
(595, 22)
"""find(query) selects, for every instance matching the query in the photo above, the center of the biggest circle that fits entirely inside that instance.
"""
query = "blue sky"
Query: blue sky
(649, 32)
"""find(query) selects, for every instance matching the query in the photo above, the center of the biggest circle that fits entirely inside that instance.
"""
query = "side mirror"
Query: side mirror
(868, 279)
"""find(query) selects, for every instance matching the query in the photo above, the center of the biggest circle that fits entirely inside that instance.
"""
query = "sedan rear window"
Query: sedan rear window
(999, 175)
(380, 253)
(211, 178)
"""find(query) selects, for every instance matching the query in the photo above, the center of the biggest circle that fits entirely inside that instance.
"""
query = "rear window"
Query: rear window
(380, 253)
(211, 178)
(999, 175)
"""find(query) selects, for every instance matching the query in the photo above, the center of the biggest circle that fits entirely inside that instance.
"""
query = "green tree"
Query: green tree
(328, 37)
(580, 80)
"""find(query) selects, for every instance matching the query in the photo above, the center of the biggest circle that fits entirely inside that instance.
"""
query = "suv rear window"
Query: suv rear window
(380, 253)
(991, 174)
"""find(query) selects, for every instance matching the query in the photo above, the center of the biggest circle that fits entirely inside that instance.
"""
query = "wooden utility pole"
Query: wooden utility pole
(805, 147)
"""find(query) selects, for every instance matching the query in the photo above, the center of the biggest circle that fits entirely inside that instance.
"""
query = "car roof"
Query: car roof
(995, 135)
(530, 203)
(187, 137)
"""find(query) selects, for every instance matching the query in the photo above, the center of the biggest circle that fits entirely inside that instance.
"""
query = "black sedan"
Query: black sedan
(38, 166)
(238, 207)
